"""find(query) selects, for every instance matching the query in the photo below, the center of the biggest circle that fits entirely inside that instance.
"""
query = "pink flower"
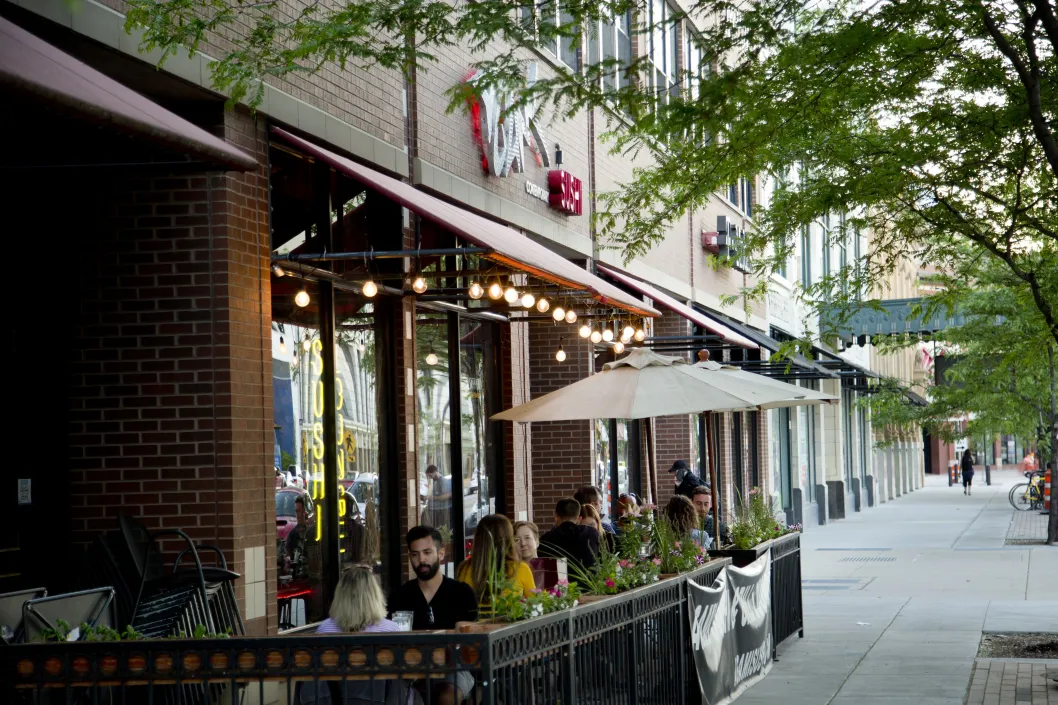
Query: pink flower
(562, 582)
(657, 561)
(536, 591)
(624, 563)
(676, 544)
(610, 583)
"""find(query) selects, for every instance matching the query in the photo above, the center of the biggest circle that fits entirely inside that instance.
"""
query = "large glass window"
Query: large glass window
(737, 455)
(433, 390)
(806, 256)
(479, 443)
(616, 459)
(554, 12)
(663, 52)
(610, 40)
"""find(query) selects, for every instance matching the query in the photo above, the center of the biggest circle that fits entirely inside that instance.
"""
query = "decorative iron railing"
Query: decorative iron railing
(787, 613)
(629, 649)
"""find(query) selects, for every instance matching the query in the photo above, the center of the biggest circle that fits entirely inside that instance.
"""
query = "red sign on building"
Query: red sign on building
(564, 192)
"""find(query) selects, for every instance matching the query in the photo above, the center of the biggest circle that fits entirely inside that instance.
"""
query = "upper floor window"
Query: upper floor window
(663, 53)
(843, 254)
(806, 256)
(554, 13)
(609, 40)
(825, 242)
(856, 261)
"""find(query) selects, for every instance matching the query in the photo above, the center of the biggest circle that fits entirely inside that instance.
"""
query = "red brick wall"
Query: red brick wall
(562, 450)
(672, 433)
(170, 395)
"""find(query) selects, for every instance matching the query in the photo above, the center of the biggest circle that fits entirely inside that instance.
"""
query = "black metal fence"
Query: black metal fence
(629, 649)
(787, 613)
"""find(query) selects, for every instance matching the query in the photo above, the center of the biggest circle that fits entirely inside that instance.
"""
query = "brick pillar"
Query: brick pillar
(562, 450)
(673, 434)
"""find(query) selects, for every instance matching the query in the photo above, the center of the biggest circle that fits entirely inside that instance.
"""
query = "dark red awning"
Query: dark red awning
(36, 68)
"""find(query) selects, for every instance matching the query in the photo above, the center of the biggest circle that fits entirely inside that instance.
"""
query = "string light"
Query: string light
(542, 305)
(302, 298)
(282, 346)
(559, 313)
(431, 359)
(511, 294)
(596, 337)
(370, 288)
(585, 331)
(495, 290)
(294, 361)
(476, 291)
(419, 285)
(528, 300)
(618, 347)
(278, 271)
(627, 333)
(640, 335)
(561, 354)
(306, 344)
(571, 316)
(607, 334)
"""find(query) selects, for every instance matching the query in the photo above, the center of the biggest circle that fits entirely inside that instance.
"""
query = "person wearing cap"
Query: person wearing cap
(685, 479)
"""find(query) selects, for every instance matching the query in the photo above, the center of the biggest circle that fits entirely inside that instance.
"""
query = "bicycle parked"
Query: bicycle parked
(1027, 496)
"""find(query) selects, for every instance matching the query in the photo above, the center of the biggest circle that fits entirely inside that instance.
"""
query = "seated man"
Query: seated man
(703, 503)
(569, 539)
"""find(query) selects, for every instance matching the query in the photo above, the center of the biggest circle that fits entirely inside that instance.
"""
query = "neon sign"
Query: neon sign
(502, 131)
(318, 489)
(565, 192)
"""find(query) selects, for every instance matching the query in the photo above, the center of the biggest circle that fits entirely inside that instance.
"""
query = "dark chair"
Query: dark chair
(92, 607)
(11, 612)
(373, 692)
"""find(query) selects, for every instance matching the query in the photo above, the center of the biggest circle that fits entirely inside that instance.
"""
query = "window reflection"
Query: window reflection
(432, 395)
(478, 442)
(603, 449)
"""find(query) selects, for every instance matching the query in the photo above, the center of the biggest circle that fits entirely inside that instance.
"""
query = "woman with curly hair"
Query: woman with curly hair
(684, 519)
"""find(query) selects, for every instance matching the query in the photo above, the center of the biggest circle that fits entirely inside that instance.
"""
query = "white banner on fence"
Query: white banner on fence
(730, 624)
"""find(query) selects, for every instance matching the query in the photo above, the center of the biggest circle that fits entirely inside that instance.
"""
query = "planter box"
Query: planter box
(741, 557)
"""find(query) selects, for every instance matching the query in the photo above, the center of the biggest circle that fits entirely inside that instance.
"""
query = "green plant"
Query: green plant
(678, 554)
(512, 607)
(755, 522)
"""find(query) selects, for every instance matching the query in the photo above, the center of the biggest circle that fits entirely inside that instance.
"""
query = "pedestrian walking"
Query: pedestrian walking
(967, 472)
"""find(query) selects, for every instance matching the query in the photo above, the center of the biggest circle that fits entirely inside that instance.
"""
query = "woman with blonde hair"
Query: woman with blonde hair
(358, 605)
(526, 540)
(493, 554)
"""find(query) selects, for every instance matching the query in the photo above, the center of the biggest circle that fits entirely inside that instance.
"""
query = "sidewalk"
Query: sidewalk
(897, 597)
(1028, 527)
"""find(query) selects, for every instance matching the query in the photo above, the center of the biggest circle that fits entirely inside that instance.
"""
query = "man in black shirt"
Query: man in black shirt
(569, 539)
(438, 602)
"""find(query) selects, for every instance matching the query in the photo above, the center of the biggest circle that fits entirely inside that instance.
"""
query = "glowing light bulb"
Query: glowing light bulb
(278, 271)
(585, 331)
(511, 294)
(282, 346)
(431, 359)
(640, 335)
(571, 316)
(476, 292)
(561, 354)
(626, 339)
(294, 361)
(628, 332)
(495, 290)
(596, 337)
(306, 344)
(361, 347)
(559, 313)
(528, 300)
(302, 298)
(542, 305)
(370, 288)
(618, 347)
(419, 285)
(607, 334)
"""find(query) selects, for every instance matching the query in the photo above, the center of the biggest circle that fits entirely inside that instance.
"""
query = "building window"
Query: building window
(806, 256)
(856, 262)
(825, 242)
(663, 53)
(747, 196)
(616, 460)
(610, 40)
(555, 14)
(737, 458)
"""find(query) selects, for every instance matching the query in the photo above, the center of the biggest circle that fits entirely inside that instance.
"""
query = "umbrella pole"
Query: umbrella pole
(652, 465)
(712, 445)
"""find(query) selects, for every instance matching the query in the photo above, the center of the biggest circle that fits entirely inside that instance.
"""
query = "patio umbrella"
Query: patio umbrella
(644, 384)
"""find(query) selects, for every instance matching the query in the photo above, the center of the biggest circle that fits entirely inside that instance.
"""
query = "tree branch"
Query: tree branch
(1050, 22)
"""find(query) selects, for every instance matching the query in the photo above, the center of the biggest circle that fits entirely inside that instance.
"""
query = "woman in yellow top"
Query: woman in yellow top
(493, 553)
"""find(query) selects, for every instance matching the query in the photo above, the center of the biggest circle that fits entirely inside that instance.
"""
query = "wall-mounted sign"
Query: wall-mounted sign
(537, 191)
(501, 133)
(565, 192)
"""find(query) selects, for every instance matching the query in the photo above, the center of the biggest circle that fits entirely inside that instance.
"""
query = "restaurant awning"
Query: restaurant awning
(680, 309)
(507, 246)
(36, 70)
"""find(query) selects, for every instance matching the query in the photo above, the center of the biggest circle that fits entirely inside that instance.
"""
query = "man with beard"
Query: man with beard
(438, 602)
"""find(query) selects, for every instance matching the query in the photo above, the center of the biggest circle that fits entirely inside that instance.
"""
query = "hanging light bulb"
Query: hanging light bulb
(302, 298)
(542, 305)
(628, 332)
(495, 290)
(528, 300)
(419, 285)
(561, 354)
(431, 359)
(294, 361)
(596, 337)
(640, 335)
(585, 331)
(625, 338)
(475, 291)
(618, 347)
(278, 271)
(282, 346)
(571, 316)
(607, 334)
(306, 344)
(370, 288)
(511, 294)
(361, 347)
(559, 313)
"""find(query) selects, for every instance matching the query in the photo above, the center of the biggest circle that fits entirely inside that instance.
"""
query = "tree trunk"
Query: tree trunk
(1052, 523)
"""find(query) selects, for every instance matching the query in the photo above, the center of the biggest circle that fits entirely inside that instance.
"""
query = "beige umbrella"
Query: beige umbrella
(644, 384)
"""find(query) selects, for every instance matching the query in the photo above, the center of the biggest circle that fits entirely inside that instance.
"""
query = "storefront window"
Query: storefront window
(603, 451)
(624, 457)
(478, 444)
(437, 481)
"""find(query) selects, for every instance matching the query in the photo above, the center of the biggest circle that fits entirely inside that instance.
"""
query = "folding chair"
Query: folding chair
(11, 612)
(92, 607)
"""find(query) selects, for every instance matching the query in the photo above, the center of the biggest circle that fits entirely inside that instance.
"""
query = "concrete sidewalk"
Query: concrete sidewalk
(897, 597)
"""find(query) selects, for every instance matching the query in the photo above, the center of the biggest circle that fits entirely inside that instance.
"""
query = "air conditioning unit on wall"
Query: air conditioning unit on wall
(710, 242)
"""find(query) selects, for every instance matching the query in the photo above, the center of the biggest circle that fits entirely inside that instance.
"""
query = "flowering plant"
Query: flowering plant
(514, 606)
(636, 572)
(678, 554)
(755, 522)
